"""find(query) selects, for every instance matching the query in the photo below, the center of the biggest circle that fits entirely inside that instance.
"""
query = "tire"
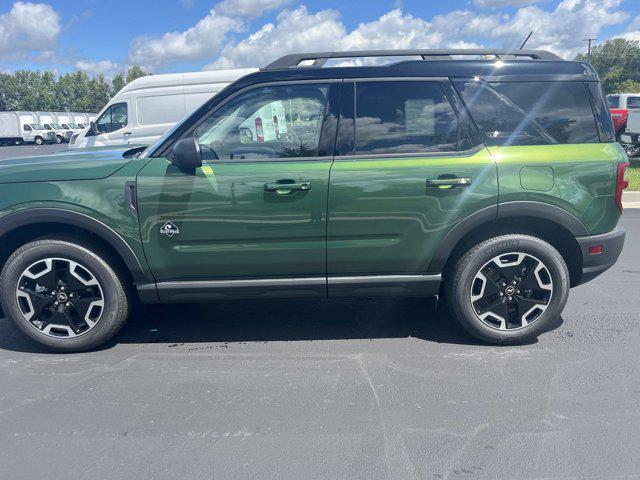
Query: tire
(483, 277)
(39, 140)
(92, 303)
(59, 139)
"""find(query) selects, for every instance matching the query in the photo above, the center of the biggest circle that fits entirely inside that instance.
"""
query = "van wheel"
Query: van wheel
(508, 289)
(63, 295)
(39, 140)
(59, 139)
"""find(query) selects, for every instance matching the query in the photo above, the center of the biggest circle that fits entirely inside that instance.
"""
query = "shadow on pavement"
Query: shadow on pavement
(277, 320)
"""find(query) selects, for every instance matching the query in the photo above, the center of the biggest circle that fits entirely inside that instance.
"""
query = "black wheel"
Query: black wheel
(59, 139)
(508, 289)
(39, 140)
(63, 295)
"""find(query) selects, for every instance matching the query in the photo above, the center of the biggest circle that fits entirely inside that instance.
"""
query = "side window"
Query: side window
(26, 128)
(531, 113)
(114, 118)
(267, 122)
(154, 110)
(404, 117)
(563, 109)
(633, 103)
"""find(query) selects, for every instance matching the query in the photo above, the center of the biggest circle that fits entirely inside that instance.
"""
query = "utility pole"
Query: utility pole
(589, 40)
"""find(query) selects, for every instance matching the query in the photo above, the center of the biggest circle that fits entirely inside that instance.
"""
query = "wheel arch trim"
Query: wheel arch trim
(23, 218)
(543, 211)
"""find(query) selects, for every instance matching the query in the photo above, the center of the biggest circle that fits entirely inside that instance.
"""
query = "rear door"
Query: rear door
(256, 210)
(408, 167)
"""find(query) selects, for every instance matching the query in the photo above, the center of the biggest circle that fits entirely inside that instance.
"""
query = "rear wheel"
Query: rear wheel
(63, 295)
(508, 289)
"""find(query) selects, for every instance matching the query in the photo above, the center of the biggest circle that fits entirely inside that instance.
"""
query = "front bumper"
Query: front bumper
(611, 244)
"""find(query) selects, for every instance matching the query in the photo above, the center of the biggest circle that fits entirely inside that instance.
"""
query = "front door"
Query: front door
(406, 171)
(254, 214)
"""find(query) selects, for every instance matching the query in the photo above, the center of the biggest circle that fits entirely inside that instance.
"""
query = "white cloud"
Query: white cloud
(633, 31)
(28, 29)
(295, 31)
(204, 39)
(104, 67)
(249, 8)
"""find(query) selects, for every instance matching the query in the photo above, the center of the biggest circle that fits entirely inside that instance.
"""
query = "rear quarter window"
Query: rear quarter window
(633, 103)
(531, 113)
(160, 109)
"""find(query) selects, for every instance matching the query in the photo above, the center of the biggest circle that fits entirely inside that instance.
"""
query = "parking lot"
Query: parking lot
(332, 389)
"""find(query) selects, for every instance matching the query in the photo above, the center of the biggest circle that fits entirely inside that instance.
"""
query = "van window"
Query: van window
(268, 122)
(404, 117)
(633, 103)
(531, 113)
(613, 101)
(195, 100)
(114, 118)
(160, 109)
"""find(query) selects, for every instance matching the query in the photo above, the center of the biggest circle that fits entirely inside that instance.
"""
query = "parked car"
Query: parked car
(631, 136)
(495, 183)
(619, 105)
(50, 122)
(149, 106)
(22, 127)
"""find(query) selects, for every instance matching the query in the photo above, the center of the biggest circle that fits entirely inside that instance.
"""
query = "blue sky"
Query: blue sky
(106, 36)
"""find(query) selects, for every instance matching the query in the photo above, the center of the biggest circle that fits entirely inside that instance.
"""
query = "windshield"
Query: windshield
(613, 101)
(37, 126)
(56, 126)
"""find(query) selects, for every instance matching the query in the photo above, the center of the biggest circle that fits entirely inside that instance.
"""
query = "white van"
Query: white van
(23, 127)
(149, 106)
(50, 121)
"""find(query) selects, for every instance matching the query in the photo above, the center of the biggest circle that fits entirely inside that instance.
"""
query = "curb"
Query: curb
(631, 199)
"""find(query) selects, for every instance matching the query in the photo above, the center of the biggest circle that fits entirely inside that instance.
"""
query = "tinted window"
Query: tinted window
(613, 101)
(404, 117)
(268, 122)
(563, 109)
(114, 118)
(633, 102)
(532, 113)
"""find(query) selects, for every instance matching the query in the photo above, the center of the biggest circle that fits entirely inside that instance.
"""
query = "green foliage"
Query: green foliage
(617, 61)
(33, 90)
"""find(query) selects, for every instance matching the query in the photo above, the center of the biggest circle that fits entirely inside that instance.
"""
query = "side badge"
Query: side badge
(169, 229)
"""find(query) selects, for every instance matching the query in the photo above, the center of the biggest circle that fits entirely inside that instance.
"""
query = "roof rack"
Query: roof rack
(317, 60)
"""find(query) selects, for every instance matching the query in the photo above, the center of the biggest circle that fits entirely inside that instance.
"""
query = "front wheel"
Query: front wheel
(59, 139)
(39, 140)
(63, 295)
(508, 289)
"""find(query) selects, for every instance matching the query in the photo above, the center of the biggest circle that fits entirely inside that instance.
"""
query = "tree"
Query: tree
(117, 83)
(617, 61)
(135, 72)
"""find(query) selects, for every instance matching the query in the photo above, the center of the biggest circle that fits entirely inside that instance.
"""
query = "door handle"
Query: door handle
(448, 182)
(127, 133)
(284, 187)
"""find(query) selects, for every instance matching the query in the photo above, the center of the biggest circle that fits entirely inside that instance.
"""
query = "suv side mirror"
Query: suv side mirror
(186, 154)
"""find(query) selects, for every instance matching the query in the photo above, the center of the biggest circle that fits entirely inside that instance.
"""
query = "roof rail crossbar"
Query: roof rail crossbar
(318, 60)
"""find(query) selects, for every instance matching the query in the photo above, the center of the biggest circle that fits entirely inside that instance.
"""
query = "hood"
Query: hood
(68, 165)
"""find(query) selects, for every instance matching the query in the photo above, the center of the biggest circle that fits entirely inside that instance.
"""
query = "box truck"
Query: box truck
(50, 122)
(23, 127)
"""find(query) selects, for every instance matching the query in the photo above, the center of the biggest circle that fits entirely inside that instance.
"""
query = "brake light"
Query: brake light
(621, 183)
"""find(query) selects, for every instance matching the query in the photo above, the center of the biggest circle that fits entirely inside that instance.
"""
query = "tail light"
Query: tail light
(259, 130)
(621, 183)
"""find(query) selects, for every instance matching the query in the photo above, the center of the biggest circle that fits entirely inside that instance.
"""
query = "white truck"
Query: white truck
(631, 136)
(149, 106)
(67, 122)
(50, 121)
(23, 127)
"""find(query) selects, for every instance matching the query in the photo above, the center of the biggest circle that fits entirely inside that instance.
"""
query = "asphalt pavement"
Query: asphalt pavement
(320, 389)
(27, 150)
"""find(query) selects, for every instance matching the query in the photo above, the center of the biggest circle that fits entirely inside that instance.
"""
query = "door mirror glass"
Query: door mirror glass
(186, 154)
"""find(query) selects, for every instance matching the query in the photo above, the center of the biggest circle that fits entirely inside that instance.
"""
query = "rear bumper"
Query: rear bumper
(593, 265)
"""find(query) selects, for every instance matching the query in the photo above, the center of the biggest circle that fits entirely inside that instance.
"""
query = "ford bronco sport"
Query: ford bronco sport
(490, 178)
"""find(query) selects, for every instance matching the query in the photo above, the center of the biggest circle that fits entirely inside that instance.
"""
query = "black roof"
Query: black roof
(516, 70)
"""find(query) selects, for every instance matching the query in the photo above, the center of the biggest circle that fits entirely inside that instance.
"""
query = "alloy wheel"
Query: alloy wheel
(511, 291)
(60, 298)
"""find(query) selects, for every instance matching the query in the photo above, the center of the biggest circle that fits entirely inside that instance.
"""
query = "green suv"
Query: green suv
(488, 178)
